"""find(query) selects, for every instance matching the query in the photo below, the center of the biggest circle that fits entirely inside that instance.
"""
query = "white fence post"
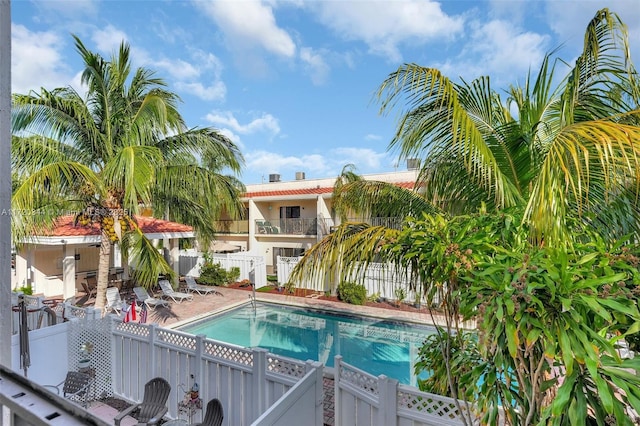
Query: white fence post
(319, 394)
(259, 381)
(387, 400)
(153, 333)
(337, 397)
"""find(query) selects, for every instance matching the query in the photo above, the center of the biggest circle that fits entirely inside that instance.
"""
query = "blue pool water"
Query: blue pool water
(377, 347)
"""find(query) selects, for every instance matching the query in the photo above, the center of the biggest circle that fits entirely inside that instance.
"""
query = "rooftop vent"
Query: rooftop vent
(299, 175)
(413, 163)
(274, 178)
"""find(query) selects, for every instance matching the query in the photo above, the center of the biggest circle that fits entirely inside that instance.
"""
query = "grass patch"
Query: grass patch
(266, 289)
(272, 278)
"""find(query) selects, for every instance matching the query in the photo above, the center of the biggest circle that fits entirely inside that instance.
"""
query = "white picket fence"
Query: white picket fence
(366, 400)
(380, 279)
(252, 268)
(247, 381)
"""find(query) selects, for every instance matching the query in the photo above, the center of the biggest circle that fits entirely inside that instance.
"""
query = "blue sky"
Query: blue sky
(292, 82)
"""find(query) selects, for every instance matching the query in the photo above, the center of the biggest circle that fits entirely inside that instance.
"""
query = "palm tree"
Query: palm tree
(557, 148)
(122, 146)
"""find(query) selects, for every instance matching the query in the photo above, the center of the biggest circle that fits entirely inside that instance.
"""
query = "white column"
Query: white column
(253, 242)
(22, 267)
(117, 256)
(174, 255)
(69, 271)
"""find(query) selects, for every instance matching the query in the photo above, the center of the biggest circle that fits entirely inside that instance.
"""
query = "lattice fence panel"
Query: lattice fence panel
(95, 333)
(286, 367)
(359, 379)
(179, 340)
(236, 355)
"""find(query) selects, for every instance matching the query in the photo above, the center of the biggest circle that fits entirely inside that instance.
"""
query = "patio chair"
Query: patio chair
(75, 387)
(90, 286)
(176, 296)
(153, 406)
(143, 297)
(197, 288)
(114, 301)
(213, 415)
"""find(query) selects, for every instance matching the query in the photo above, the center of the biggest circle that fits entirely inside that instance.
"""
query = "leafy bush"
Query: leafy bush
(233, 275)
(353, 293)
(26, 290)
(214, 274)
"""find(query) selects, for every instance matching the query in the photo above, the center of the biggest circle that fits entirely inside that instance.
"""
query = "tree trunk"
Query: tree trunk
(103, 271)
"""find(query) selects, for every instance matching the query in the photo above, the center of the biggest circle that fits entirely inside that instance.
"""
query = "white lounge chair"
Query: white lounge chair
(176, 296)
(193, 286)
(114, 301)
(143, 297)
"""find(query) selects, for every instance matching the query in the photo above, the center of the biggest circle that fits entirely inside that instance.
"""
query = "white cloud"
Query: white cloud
(249, 25)
(363, 158)
(315, 65)
(372, 137)
(498, 49)
(36, 61)
(385, 25)
(216, 92)
(226, 119)
(319, 165)
(178, 68)
(108, 39)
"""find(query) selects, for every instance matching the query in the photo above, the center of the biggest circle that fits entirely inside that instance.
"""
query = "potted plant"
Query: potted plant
(85, 355)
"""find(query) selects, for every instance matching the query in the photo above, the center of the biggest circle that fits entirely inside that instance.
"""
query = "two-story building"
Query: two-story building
(285, 218)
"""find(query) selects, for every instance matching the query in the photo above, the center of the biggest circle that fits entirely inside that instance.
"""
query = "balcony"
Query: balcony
(294, 226)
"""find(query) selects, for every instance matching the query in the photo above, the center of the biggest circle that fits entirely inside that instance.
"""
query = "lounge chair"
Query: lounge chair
(153, 406)
(75, 387)
(90, 286)
(114, 301)
(197, 288)
(176, 296)
(213, 415)
(143, 297)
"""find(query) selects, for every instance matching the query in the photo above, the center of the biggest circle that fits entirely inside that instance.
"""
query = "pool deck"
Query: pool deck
(177, 314)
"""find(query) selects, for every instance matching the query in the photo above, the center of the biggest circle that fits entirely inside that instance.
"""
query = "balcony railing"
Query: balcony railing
(297, 226)
(232, 226)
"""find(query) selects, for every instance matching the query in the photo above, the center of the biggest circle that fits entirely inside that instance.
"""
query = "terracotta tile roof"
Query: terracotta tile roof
(308, 191)
(303, 191)
(149, 225)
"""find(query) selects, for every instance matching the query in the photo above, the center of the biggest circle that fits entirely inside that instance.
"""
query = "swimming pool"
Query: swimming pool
(378, 347)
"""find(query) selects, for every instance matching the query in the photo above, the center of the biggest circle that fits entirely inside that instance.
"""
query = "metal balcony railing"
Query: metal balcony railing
(297, 226)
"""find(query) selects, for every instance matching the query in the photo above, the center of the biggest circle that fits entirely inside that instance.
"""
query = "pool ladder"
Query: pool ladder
(252, 297)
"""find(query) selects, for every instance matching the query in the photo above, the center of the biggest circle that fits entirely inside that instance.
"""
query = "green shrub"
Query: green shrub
(233, 275)
(212, 274)
(26, 290)
(353, 293)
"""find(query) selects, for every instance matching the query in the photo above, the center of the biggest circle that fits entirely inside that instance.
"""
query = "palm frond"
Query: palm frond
(148, 264)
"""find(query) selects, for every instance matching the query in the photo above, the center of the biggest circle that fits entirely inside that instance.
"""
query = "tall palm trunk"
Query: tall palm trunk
(103, 270)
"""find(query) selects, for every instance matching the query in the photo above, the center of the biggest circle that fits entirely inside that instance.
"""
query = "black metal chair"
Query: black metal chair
(153, 406)
(75, 387)
(213, 415)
